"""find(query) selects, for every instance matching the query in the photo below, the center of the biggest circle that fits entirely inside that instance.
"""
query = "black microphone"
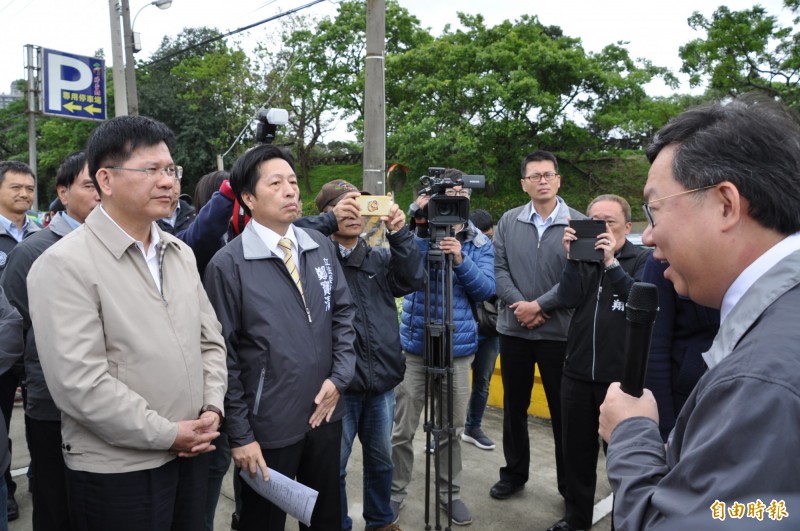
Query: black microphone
(640, 312)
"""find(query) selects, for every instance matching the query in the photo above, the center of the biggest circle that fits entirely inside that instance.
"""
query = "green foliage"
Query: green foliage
(480, 98)
(744, 51)
(205, 95)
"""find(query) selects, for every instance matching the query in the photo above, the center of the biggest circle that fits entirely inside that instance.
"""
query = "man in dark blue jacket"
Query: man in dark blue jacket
(375, 276)
(473, 278)
(285, 308)
(595, 347)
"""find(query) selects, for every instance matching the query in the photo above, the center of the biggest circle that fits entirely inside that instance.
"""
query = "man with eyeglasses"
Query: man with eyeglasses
(129, 344)
(723, 202)
(598, 290)
(529, 258)
(473, 280)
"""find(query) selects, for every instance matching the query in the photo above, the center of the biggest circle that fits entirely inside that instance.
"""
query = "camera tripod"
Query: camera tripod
(438, 363)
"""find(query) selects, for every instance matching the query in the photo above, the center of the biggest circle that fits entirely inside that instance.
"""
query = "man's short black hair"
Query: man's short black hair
(206, 186)
(752, 143)
(244, 174)
(114, 141)
(69, 169)
(481, 219)
(14, 166)
(538, 155)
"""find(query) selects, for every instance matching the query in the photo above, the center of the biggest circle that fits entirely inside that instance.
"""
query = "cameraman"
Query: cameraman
(473, 277)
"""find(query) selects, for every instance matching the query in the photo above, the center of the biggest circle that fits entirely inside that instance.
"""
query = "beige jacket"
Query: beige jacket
(123, 362)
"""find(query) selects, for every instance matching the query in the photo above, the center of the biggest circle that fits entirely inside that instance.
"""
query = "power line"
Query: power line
(245, 28)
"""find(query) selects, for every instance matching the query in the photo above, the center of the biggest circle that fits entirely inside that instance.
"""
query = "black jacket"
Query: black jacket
(281, 347)
(375, 277)
(39, 404)
(186, 216)
(596, 336)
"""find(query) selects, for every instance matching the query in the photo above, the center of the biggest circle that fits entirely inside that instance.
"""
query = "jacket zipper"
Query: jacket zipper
(260, 389)
(594, 323)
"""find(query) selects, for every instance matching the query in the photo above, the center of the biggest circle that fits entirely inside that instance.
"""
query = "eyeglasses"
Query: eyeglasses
(464, 192)
(176, 172)
(548, 176)
(646, 206)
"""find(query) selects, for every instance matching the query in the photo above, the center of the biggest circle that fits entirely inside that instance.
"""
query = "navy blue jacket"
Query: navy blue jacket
(682, 332)
(281, 346)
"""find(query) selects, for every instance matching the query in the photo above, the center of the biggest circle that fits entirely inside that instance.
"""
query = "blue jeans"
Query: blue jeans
(482, 369)
(371, 418)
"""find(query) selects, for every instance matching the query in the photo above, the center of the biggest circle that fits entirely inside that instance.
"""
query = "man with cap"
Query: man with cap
(375, 277)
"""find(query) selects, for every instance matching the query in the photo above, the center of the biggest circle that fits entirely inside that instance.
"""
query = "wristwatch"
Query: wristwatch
(213, 409)
(613, 265)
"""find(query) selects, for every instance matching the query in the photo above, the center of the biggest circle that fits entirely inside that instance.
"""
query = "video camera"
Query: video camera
(445, 210)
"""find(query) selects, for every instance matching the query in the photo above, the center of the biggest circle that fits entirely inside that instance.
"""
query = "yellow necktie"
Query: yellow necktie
(288, 261)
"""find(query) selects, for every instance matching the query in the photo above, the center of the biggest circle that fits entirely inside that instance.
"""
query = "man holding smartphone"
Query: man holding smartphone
(598, 290)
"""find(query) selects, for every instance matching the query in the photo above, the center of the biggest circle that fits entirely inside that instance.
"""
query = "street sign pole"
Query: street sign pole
(32, 99)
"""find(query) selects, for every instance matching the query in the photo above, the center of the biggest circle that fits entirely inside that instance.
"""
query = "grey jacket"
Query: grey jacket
(738, 436)
(528, 267)
(280, 347)
(39, 404)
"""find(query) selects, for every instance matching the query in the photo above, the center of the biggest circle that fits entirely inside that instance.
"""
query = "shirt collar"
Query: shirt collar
(70, 221)
(271, 238)
(155, 239)
(756, 270)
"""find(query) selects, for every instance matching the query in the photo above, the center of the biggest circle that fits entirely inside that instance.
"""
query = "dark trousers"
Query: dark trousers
(49, 490)
(8, 388)
(314, 462)
(580, 410)
(517, 360)
(171, 497)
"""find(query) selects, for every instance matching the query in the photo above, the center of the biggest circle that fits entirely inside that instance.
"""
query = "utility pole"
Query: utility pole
(130, 62)
(33, 96)
(120, 90)
(375, 100)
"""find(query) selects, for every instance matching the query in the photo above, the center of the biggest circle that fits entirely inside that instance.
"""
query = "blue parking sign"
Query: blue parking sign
(73, 85)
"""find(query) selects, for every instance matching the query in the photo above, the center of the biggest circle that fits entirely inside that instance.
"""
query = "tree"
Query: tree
(744, 51)
(204, 91)
(323, 68)
(480, 98)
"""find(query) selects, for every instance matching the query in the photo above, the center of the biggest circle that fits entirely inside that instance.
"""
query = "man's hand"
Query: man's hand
(250, 458)
(195, 436)
(608, 244)
(529, 314)
(569, 236)
(395, 220)
(347, 207)
(422, 200)
(619, 406)
(451, 245)
(326, 401)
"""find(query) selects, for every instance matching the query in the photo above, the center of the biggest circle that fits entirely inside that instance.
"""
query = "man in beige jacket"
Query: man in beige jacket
(129, 344)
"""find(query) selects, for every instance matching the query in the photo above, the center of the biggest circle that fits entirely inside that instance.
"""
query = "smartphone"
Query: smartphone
(374, 205)
(587, 231)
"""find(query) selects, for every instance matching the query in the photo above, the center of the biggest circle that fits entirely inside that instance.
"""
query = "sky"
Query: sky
(653, 30)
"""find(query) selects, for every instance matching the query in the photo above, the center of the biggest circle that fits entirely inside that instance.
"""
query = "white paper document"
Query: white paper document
(294, 498)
